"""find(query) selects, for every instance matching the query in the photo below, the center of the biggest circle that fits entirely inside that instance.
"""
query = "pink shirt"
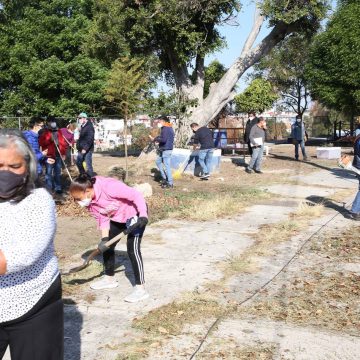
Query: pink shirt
(115, 201)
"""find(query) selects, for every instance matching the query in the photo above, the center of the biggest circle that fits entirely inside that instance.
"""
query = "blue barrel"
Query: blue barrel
(216, 138)
(223, 138)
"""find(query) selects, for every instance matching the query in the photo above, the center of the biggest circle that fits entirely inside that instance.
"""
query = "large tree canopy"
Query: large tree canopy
(180, 33)
(333, 71)
(42, 68)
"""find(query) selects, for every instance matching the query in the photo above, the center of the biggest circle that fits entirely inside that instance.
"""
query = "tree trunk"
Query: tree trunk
(223, 92)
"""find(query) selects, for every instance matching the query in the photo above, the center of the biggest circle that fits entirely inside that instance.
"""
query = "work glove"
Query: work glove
(101, 246)
(140, 223)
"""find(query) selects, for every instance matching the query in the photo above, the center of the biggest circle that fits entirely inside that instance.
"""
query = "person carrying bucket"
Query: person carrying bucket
(166, 145)
(117, 209)
(203, 140)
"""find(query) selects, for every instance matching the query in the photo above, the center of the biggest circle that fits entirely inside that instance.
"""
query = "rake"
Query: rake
(92, 255)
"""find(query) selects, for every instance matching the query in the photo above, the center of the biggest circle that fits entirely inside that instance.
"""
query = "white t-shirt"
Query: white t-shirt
(27, 241)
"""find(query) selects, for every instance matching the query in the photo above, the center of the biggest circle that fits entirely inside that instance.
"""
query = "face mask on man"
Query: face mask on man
(85, 202)
(10, 183)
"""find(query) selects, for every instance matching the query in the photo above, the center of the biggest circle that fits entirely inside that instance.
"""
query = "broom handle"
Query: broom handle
(114, 239)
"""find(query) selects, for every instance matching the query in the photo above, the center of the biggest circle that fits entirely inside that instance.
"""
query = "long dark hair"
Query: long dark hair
(82, 182)
(14, 137)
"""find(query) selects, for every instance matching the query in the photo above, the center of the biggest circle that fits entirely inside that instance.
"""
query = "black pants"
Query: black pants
(133, 250)
(249, 147)
(39, 334)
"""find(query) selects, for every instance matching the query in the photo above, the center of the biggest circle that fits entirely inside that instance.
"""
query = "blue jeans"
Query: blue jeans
(163, 160)
(87, 157)
(302, 146)
(53, 175)
(205, 158)
(256, 158)
(355, 208)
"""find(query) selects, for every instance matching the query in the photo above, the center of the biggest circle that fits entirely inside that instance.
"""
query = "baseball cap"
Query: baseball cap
(82, 115)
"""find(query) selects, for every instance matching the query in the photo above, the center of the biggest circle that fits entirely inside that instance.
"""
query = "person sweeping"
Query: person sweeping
(117, 209)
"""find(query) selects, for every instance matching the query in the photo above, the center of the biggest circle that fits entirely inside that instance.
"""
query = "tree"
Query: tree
(284, 67)
(42, 67)
(258, 97)
(182, 32)
(124, 91)
(333, 71)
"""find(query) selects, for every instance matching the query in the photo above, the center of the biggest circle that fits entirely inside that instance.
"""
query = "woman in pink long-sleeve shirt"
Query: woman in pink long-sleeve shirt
(117, 208)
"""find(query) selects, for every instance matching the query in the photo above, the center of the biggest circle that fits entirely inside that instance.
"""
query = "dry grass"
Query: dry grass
(76, 284)
(170, 319)
(203, 205)
(230, 351)
(270, 235)
(320, 294)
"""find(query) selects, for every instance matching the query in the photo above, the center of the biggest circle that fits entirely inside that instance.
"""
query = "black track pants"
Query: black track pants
(133, 249)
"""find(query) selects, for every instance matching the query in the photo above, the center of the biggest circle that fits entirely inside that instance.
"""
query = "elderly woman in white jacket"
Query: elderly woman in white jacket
(31, 309)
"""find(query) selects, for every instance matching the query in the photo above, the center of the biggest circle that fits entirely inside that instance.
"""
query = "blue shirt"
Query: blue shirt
(33, 139)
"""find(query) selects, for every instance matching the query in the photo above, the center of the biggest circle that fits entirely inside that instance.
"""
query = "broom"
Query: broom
(181, 169)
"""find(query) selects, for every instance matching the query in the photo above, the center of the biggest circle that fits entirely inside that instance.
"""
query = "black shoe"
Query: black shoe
(205, 176)
(249, 171)
(167, 186)
(355, 216)
(258, 171)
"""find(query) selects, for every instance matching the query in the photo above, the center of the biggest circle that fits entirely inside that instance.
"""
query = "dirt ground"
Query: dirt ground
(315, 298)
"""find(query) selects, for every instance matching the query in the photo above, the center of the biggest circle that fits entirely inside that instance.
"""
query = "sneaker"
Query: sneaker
(106, 282)
(138, 294)
(355, 216)
(258, 171)
(306, 159)
(205, 176)
(249, 171)
(166, 185)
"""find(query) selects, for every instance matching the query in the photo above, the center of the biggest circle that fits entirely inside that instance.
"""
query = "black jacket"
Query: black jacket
(204, 137)
(248, 127)
(86, 137)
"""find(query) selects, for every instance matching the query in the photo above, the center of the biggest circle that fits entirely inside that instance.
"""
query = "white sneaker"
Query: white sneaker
(138, 294)
(106, 282)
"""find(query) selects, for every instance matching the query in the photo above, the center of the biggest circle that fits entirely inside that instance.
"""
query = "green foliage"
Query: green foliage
(125, 86)
(258, 96)
(284, 67)
(288, 11)
(333, 71)
(276, 129)
(171, 103)
(213, 73)
(42, 67)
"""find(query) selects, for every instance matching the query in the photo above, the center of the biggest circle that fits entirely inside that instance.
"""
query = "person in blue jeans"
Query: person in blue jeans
(299, 135)
(355, 208)
(203, 140)
(257, 140)
(166, 145)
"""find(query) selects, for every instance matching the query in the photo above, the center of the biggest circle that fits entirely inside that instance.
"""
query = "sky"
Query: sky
(235, 38)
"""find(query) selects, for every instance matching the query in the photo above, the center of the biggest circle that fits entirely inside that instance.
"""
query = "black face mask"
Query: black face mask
(10, 183)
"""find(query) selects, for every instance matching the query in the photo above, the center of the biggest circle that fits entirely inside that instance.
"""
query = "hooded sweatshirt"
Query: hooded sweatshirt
(115, 201)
